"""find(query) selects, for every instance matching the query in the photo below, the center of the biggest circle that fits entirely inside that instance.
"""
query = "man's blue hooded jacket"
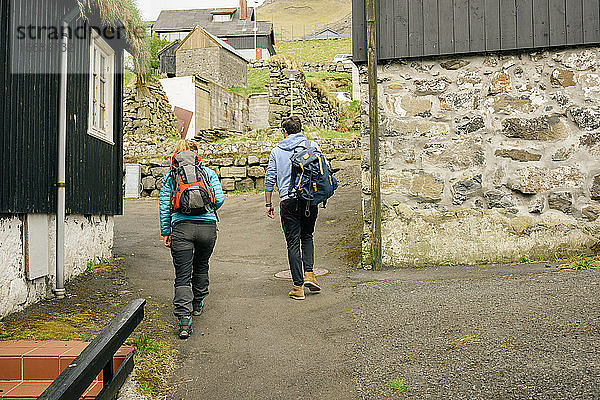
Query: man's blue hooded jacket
(279, 171)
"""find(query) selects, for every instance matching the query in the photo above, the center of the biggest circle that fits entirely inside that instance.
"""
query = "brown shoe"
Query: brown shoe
(297, 292)
(311, 282)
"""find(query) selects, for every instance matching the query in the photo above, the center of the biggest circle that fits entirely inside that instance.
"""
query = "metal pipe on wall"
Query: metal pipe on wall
(62, 156)
(376, 250)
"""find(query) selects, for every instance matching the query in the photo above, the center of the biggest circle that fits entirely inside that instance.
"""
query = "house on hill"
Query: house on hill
(327, 33)
(204, 54)
(232, 25)
(47, 103)
(489, 130)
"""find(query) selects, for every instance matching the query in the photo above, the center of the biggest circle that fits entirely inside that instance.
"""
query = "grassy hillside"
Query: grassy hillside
(293, 19)
(257, 82)
(321, 51)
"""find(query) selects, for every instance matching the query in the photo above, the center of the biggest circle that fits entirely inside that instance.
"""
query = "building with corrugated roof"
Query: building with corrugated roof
(232, 25)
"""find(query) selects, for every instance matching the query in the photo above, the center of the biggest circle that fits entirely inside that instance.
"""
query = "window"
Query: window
(102, 80)
(222, 18)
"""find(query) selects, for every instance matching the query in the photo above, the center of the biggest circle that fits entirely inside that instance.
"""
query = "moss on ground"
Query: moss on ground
(93, 299)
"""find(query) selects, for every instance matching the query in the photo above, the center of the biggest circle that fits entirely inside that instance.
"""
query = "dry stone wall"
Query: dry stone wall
(150, 126)
(312, 105)
(313, 67)
(240, 166)
(491, 158)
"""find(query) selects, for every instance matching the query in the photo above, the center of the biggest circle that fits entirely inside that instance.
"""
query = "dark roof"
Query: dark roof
(187, 20)
(329, 33)
(170, 47)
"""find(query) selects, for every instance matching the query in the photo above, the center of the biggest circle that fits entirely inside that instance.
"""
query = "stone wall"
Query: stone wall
(241, 166)
(488, 159)
(228, 113)
(86, 238)
(213, 63)
(258, 106)
(311, 104)
(312, 67)
(149, 124)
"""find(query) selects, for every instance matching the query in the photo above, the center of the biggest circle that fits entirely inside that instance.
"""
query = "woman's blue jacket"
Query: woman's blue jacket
(168, 218)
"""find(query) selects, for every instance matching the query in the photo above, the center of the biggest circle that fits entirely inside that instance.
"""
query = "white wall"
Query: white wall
(355, 83)
(86, 238)
(181, 92)
(250, 54)
(174, 35)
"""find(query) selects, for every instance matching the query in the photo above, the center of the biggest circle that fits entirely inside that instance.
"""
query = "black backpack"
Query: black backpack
(312, 178)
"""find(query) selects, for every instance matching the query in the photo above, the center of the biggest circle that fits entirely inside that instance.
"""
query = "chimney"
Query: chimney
(243, 9)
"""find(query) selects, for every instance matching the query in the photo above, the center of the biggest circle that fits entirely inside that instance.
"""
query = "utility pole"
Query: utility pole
(374, 135)
(255, 29)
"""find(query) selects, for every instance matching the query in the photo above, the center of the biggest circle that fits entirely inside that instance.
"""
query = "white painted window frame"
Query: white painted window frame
(221, 17)
(99, 48)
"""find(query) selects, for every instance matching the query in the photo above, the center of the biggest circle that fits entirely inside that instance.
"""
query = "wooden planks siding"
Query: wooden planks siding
(29, 124)
(418, 28)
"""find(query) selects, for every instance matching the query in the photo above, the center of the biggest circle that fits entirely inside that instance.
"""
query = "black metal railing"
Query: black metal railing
(98, 356)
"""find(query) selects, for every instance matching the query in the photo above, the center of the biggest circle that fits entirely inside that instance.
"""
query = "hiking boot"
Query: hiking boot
(198, 307)
(297, 292)
(311, 282)
(185, 327)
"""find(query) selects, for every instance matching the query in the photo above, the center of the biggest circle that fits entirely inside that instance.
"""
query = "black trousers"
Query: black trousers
(298, 224)
(192, 244)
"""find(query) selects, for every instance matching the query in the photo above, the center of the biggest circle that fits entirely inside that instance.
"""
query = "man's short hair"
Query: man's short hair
(292, 124)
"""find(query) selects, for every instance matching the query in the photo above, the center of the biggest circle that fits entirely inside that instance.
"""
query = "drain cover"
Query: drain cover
(287, 274)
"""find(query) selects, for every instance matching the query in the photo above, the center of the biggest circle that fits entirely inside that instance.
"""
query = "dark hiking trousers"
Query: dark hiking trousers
(192, 244)
(298, 224)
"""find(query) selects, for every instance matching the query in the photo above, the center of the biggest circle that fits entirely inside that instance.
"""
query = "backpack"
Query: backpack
(192, 193)
(312, 178)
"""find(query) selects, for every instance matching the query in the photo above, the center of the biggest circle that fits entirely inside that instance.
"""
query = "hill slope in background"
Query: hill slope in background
(294, 19)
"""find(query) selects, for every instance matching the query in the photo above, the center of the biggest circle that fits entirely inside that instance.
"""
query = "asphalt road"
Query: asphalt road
(253, 341)
(504, 332)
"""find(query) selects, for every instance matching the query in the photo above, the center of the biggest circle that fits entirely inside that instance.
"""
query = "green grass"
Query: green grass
(100, 263)
(317, 133)
(258, 80)
(465, 340)
(143, 344)
(583, 263)
(128, 78)
(397, 384)
(332, 81)
(316, 51)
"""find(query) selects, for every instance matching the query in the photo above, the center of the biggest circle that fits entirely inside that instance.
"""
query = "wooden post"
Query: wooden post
(374, 133)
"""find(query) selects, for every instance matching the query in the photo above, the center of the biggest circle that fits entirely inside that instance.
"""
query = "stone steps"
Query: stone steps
(27, 367)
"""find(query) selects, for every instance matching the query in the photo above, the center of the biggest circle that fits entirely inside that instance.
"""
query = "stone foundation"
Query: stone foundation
(86, 237)
(240, 166)
(488, 159)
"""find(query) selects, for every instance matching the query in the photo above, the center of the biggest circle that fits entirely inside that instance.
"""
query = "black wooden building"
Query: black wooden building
(29, 77)
(168, 60)
(417, 28)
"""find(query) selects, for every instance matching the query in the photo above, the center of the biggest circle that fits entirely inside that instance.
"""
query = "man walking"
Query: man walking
(297, 217)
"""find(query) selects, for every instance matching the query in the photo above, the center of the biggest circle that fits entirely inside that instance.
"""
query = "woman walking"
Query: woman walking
(190, 195)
